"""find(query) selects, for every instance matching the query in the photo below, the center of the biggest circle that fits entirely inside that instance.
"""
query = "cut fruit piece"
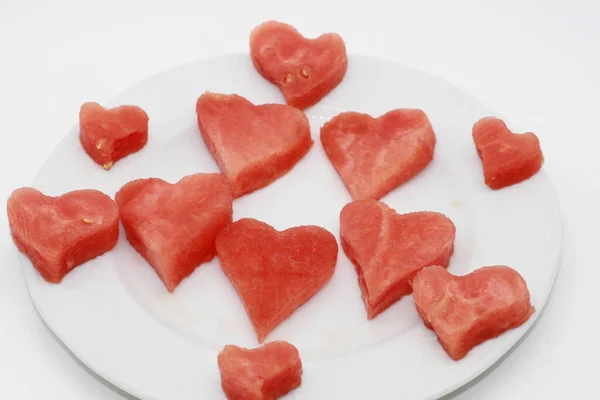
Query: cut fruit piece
(265, 373)
(108, 135)
(305, 70)
(388, 249)
(507, 158)
(253, 145)
(60, 233)
(173, 226)
(373, 156)
(465, 311)
(275, 272)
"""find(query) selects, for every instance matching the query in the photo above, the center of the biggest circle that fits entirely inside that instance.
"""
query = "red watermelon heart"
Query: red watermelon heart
(388, 249)
(275, 272)
(305, 70)
(253, 145)
(108, 135)
(464, 311)
(375, 155)
(507, 158)
(60, 233)
(264, 373)
(173, 226)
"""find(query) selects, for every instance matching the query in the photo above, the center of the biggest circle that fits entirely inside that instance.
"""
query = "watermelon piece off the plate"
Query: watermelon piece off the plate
(108, 135)
(264, 373)
(173, 226)
(275, 272)
(375, 155)
(253, 145)
(464, 311)
(388, 249)
(305, 70)
(507, 158)
(60, 233)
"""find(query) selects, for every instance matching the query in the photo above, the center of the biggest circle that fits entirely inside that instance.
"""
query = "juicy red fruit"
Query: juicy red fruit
(275, 272)
(173, 226)
(60, 233)
(464, 311)
(373, 156)
(264, 373)
(388, 249)
(253, 145)
(305, 70)
(507, 158)
(108, 135)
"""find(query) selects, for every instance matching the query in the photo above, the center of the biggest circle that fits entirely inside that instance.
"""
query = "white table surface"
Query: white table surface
(535, 62)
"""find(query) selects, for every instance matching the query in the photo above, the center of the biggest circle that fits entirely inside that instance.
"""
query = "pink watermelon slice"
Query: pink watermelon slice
(60, 233)
(173, 226)
(253, 145)
(464, 311)
(305, 70)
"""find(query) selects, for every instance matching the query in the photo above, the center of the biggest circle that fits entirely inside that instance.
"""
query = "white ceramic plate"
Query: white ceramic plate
(115, 315)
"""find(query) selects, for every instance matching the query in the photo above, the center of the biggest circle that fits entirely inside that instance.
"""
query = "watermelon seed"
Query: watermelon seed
(305, 72)
(107, 165)
(87, 220)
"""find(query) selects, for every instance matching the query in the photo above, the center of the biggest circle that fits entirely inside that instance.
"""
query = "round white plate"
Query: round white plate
(115, 315)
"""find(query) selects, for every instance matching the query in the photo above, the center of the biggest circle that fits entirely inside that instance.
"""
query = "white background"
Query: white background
(536, 62)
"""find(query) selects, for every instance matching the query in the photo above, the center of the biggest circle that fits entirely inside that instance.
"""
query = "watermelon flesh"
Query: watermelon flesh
(305, 70)
(373, 156)
(507, 158)
(108, 135)
(253, 145)
(173, 226)
(465, 311)
(388, 249)
(264, 373)
(275, 272)
(60, 233)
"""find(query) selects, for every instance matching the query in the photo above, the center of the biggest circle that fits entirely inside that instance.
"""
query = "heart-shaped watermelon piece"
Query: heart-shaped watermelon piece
(275, 272)
(253, 145)
(264, 373)
(388, 248)
(375, 155)
(464, 311)
(108, 135)
(173, 226)
(305, 70)
(507, 158)
(60, 233)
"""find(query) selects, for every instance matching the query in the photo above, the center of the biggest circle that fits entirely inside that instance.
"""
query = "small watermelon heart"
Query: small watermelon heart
(375, 155)
(264, 373)
(275, 272)
(305, 70)
(464, 311)
(253, 145)
(388, 249)
(60, 233)
(507, 158)
(108, 135)
(173, 226)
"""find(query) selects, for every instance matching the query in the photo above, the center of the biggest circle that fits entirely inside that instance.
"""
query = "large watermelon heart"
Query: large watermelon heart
(375, 155)
(465, 311)
(388, 249)
(60, 233)
(305, 70)
(173, 226)
(108, 135)
(253, 145)
(264, 373)
(275, 272)
(507, 158)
